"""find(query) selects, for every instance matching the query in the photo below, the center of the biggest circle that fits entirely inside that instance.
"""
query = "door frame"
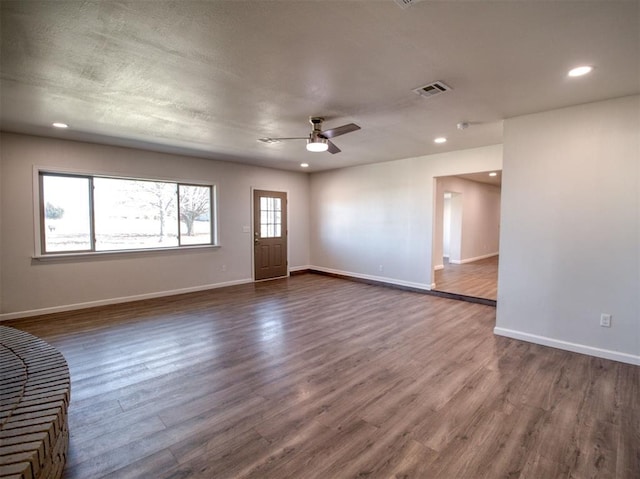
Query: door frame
(253, 233)
(438, 214)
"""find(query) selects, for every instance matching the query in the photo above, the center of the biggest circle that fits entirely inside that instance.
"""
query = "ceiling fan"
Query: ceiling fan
(319, 140)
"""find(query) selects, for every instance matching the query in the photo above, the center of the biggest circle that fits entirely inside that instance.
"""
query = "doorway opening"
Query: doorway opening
(466, 235)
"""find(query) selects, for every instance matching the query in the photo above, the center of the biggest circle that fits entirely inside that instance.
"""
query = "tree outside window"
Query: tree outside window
(125, 214)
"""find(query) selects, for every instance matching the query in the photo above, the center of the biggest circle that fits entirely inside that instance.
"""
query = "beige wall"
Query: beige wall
(570, 239)
(376, 221)
(30, 285)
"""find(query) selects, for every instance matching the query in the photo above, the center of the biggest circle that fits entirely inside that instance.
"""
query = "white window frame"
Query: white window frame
(38, 212)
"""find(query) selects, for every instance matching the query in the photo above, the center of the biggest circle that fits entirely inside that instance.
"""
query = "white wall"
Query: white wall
(377, 215)
(446, 226)
(570, 242)
(455, 232)
(480, 222)
(30, 285)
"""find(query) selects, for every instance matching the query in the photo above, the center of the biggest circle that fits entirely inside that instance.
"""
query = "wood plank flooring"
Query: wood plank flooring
(318, 377)
(478, 279)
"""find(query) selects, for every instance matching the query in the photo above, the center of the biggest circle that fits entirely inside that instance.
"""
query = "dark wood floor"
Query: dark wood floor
(318, 377)
(478, 279)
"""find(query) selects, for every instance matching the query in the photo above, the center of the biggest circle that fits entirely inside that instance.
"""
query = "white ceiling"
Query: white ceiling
(209, 78)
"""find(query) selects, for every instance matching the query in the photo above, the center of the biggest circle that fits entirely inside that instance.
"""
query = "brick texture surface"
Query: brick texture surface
(34, 398)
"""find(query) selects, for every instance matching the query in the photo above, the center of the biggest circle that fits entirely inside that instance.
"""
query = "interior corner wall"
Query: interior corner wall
(376, 221)
(480, 218)
(569, 246)
(30, 286)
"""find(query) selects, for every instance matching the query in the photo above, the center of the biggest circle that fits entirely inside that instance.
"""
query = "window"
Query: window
(270, 217)
(81, 213)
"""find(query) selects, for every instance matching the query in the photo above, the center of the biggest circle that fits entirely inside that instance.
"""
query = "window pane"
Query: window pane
(123, 214)
(134, 214)
(270, 217)
(67, 221)
(195, 214)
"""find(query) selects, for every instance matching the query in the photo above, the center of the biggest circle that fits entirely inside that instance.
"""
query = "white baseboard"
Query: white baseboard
(379, 279)
(438, 267)
(123, 299)
(471, 260)
(299, 268)
(567, 346)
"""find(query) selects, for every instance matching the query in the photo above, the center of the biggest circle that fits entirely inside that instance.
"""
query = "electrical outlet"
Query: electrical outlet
(605, 320)
(224, 268)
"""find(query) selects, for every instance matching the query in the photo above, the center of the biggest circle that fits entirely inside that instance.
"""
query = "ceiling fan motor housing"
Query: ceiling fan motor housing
(316, 122)
(316, 135)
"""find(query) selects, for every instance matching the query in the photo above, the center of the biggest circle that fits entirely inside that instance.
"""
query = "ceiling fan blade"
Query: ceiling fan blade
(341, 130)
(333, 149)
(276, 140)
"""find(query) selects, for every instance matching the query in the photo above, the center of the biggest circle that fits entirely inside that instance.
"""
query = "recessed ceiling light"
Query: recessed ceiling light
(304, 165)
(442, 139)
(579, 71)
(58, 124)
(493, 173)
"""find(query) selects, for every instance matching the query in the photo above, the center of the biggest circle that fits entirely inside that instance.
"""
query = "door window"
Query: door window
(270, 217)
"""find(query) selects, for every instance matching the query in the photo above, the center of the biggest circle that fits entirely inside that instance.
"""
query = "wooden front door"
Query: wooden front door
(269, 234)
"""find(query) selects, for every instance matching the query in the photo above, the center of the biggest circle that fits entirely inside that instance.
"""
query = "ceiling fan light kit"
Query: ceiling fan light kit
(317, 144)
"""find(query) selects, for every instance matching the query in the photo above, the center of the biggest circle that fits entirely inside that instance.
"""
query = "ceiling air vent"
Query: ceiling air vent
(405, 3)
(432, 89)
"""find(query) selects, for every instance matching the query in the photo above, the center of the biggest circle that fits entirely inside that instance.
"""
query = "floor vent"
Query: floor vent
(406, 3)
(432, 89)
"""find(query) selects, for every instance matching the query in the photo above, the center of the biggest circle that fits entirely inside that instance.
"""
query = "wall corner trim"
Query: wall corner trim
(293, 269)
(567, 346)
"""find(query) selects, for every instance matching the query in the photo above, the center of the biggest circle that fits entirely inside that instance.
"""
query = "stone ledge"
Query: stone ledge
(34, 398)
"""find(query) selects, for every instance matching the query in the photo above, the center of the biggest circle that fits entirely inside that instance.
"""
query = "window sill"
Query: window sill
(123, 252)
